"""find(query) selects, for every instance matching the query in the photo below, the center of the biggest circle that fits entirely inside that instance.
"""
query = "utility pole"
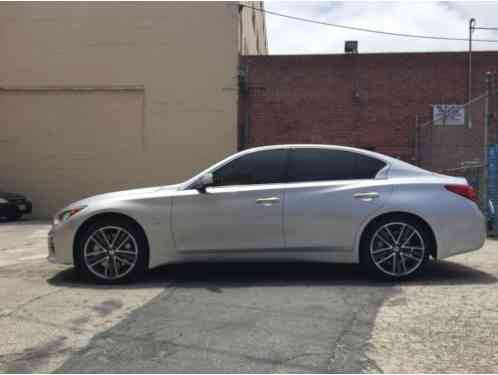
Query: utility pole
(484, 189)
(472, 28)
(472, 23)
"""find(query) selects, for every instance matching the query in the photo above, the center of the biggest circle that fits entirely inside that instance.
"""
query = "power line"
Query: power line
(415, 36)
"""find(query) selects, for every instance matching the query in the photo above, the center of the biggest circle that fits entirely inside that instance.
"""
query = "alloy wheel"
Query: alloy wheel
(110, 252)
(397, 249)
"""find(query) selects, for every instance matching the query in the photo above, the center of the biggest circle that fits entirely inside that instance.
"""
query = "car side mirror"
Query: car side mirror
(205, 181)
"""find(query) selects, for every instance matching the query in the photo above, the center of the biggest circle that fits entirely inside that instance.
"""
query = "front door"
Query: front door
(242, 211)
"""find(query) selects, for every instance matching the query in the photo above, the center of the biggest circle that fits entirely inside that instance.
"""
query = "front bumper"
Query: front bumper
(13, 208)
(59, 247)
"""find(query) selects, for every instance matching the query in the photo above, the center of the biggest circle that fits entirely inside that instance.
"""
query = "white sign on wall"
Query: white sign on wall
(448, 114)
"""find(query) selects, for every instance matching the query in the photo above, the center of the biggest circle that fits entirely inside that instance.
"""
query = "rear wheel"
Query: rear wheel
(395, 247)
(112, 251)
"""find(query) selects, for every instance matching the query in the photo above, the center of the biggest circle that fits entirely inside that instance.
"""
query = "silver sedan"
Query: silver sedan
(287, 202)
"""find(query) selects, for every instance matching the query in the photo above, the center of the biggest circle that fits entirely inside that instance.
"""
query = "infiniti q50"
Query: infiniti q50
(286, 202)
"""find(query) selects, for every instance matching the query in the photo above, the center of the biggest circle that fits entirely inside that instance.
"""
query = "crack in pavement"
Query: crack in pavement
(9, 313)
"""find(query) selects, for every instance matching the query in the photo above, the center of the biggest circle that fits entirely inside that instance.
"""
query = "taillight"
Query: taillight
(465, 191)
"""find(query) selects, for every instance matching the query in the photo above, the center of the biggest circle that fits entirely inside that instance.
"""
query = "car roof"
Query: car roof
(321, 146)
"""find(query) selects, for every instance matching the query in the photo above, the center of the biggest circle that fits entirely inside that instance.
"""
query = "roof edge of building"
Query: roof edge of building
(324, 55)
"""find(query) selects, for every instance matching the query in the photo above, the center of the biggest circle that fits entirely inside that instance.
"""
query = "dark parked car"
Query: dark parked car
(13, 206)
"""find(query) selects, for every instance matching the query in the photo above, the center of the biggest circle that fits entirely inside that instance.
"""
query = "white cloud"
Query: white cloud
(427, 18)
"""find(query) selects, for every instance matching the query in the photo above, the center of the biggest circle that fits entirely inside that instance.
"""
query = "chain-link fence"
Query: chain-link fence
(458, 140)
(451, 136)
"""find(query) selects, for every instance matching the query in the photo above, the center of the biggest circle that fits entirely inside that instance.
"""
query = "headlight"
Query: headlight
(3, 200)
(66, 214)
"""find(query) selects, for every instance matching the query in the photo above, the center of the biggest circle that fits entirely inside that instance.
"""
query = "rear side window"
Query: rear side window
(261, 167)
(330, 165)
(367, 167)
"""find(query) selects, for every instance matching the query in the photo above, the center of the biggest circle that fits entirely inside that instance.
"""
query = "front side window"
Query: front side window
(261, 167)
(329, 165)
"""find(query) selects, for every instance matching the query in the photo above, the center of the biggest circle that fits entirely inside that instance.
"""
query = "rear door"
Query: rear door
(329, 195)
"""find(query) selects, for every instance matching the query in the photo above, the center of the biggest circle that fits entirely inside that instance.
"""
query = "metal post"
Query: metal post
(494, 97)
(417, 161)
(484, 189)
(472, 22)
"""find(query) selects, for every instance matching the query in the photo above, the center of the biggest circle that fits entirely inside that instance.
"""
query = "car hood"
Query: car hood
(124, 194)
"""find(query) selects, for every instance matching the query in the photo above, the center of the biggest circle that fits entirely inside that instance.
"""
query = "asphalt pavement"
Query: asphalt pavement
(258, 317)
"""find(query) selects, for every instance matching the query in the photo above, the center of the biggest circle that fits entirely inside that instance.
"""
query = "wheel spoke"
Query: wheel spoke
(102, 232)
(98, 261)
(394, 263)
(379, 236)
(94, 239)
(381, 250)
(115, 266)
(123, 260)
(408, 238)
(386, 228)
(410, 256)
(107, 266)
(118, 232)
(96, 252)
(127, 236)
(125, 252)
(385, 259)
(413, 248)
(401, 232)
(403, 263)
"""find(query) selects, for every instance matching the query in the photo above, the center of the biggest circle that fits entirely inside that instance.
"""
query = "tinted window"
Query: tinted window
(324, 165)
(262, 167)
(367, 167)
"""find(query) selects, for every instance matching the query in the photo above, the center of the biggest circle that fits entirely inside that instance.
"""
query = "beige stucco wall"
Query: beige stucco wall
(96, 97)
(252, 29)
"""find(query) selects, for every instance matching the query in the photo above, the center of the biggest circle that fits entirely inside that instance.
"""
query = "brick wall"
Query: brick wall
(364, 100)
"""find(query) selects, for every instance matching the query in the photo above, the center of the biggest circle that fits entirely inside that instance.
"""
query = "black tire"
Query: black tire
(141, 259)
(14, 217)
(372, 254)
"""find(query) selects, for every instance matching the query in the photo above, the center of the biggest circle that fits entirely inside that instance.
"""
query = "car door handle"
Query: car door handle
(367, 196)
(268, 201)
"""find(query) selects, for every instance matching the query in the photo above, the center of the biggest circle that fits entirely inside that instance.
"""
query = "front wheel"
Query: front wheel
(395, 247)
(14, 217)
(112, 251)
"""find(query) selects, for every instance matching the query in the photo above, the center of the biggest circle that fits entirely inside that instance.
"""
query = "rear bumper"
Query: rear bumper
(468, 233)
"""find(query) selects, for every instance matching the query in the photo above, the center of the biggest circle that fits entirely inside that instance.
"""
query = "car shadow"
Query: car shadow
(199, 322)
(215, 276)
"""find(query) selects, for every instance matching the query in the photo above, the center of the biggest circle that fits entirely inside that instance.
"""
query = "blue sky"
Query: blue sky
(431, 18)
